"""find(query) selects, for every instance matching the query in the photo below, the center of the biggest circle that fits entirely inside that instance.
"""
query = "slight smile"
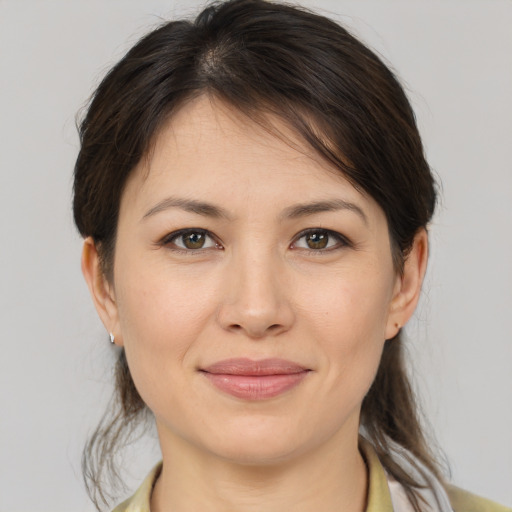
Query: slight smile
(255, 380)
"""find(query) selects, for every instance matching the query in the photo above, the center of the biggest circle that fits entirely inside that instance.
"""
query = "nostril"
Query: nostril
(255, 332)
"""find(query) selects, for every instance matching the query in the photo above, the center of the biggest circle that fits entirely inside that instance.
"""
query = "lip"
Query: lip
(255, 380)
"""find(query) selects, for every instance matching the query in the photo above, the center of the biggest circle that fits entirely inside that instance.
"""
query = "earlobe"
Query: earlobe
(408, 287)
(102, 291)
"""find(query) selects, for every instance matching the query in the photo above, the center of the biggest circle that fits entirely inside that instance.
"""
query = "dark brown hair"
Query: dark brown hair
(262, 58)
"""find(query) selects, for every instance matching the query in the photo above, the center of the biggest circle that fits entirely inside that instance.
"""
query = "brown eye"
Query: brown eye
(193, 240)
(317, 240)
(320, 240)
(190, 240)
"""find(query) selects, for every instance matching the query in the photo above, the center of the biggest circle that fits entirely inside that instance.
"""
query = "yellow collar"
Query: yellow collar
(379, 498)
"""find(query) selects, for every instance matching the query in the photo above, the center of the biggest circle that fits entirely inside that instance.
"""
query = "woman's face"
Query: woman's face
(253, 289)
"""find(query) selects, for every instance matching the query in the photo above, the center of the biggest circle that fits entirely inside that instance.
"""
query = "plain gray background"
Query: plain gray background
(454, 57)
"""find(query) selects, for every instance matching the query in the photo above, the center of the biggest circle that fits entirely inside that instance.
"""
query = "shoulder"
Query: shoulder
(464, 501)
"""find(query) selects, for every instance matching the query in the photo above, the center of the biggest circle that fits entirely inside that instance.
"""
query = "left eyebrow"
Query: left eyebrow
(332, 205)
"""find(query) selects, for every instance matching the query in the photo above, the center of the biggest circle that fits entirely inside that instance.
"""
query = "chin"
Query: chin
(259, 453)
(257, 442)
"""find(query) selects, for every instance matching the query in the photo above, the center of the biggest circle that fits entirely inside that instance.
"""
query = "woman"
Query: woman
(254, 199)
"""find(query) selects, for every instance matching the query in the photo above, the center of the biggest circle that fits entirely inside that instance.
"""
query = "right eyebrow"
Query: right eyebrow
(189, 205)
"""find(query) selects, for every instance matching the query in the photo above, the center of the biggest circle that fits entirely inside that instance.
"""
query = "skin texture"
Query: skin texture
(257, 290)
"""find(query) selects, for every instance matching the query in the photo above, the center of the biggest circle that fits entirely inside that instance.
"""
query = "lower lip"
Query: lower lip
(251, 387)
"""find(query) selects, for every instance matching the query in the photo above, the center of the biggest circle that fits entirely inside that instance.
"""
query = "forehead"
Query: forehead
(207, 126)
(209, 150)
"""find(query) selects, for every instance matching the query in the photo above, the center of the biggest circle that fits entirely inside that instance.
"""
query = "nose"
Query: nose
(256, 298)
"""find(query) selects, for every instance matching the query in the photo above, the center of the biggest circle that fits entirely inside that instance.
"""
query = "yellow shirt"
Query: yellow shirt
(379, 497)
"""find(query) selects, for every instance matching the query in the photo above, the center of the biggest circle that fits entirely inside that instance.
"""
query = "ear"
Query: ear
(408, 286)
(102, 291)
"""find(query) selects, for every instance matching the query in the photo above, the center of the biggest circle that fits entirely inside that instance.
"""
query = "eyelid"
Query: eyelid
(167, 240)
(342, 240)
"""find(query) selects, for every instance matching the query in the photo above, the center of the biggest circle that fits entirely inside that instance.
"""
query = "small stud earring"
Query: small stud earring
(112, 338)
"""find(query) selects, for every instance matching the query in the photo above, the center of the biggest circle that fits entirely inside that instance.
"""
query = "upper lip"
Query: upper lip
(250, 367)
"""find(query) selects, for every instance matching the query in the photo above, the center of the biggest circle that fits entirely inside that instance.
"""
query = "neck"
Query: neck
(330, 478)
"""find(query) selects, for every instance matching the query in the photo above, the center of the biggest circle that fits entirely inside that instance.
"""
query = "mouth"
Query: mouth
(255, 380)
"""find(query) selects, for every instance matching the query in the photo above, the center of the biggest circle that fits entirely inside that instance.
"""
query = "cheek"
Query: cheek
(160, 304)
(351, 304)
(162, 314)
(350, 318)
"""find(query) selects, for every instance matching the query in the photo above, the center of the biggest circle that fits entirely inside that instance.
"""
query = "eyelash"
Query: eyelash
(169, 240)
(341, 241)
